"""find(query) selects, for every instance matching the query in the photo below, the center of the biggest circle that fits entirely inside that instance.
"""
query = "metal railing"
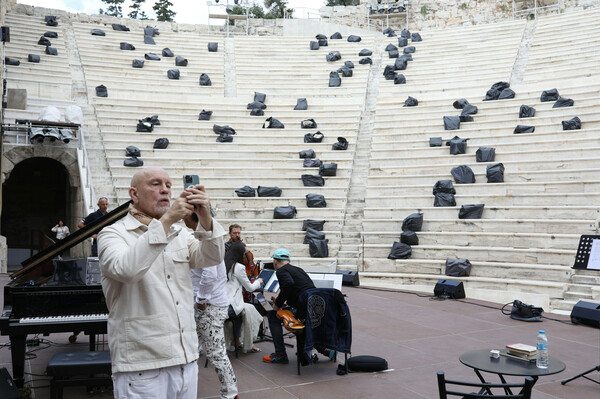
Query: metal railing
(386, 9)
(538, 5)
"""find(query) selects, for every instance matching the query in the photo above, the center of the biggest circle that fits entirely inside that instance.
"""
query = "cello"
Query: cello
(290, 322)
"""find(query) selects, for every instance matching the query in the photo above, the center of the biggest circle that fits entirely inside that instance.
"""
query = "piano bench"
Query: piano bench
(77, 368)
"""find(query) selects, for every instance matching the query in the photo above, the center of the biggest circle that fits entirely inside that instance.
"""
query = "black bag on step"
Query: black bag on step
(301, 104)
(313, 180)
(458, 267)
(495, 173)
(318, 248)
(463, 175)
(132, 151)
(268, 191)
(313, 137)
(312, 234)
(328, 169)
(342, 144)
(313, 224)
(133, 161)
(400, 251)
(315, 201)
(312, 163)
(284, 212)
(485, 154)
(245, 191)
(409, 237)
(307, 154)
(413, 222)
(444, 199)
(472, 211)
(161, 144)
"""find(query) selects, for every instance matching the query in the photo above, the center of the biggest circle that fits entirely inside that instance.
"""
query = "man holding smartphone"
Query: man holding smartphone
(145, 260)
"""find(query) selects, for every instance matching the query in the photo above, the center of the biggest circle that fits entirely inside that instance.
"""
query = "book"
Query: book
(521, 349)
(524, 358)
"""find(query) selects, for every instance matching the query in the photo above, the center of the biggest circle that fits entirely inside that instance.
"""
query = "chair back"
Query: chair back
(327, 319)
(485, 390)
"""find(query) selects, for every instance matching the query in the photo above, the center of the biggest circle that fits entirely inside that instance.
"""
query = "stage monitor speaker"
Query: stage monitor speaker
(449, 289)
(349, 277)
(8, 389)
(5, 34)
(586, 313)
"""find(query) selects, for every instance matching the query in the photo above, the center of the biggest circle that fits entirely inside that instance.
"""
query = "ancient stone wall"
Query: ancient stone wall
(427, 14)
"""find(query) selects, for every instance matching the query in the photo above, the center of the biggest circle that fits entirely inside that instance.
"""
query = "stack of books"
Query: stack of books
(523, 352)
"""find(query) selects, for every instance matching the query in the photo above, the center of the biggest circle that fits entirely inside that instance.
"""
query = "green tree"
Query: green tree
(331, 3)
(136, 11)
(277, 9)
(255, 11)
(114, 7)
(163, 10)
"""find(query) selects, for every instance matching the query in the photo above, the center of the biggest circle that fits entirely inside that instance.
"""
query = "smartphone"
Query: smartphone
(190, 180)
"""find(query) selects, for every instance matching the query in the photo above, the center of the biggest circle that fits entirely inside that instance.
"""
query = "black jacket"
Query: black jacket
(293, 281)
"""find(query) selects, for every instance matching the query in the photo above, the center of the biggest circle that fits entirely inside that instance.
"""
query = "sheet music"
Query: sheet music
(594, 260)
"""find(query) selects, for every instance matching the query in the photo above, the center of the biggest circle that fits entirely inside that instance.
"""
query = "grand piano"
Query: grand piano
(39, 301)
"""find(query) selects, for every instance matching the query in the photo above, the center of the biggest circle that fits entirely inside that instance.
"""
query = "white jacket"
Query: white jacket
(148, 290)
(237, 280)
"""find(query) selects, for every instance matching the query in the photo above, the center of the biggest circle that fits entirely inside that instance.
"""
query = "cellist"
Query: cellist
(293, 281)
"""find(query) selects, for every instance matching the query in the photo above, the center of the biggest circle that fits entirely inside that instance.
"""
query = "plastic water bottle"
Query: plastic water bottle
(542, 350)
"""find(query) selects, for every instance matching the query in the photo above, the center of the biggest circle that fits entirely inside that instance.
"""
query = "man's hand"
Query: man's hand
(275, 307)
(179, 209)
(200, 306)
(196, 196)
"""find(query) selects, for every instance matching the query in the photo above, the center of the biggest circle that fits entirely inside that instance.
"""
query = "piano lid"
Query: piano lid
(72, 240)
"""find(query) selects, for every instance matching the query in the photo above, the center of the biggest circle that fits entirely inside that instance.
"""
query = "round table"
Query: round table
(480, 360)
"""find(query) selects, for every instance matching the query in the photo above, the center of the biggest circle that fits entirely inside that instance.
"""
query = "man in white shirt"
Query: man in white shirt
(211, 304)
(145, 260)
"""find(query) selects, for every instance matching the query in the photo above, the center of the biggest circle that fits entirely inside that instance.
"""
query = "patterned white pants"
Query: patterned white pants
(209, 325)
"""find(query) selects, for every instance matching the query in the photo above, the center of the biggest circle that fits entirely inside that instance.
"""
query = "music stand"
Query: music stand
(584, 248)
(581, 262)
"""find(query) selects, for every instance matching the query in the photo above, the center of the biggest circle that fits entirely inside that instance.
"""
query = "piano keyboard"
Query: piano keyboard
(63, 319)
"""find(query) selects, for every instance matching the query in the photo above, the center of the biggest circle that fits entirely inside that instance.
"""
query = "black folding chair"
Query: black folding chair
(486, 389)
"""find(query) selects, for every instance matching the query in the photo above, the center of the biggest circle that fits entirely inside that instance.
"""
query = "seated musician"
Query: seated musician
(293, 281)
(250, 320)
(235, 235)
(252, 270)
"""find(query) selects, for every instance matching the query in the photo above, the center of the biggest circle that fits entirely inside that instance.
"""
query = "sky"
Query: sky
(188, 11)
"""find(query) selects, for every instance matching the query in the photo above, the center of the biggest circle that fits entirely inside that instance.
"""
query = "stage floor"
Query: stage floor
(417, 335)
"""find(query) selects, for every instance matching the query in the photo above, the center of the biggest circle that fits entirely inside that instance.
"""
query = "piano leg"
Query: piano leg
(17, 351)
(92, 342)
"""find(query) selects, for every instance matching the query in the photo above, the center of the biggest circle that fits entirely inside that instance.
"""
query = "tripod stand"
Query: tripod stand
(597, 368)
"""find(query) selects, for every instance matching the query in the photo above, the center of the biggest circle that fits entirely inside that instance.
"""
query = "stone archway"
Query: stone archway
(40, 186)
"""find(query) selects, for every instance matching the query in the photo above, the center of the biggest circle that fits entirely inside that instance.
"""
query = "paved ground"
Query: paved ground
(417, 335)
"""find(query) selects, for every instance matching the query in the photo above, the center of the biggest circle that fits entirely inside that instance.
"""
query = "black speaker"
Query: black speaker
(349, 277)
(8, 389)
(5, 34)
(586, 313)
(449, 289)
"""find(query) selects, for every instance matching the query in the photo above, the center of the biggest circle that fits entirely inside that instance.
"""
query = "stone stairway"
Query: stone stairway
(518, 70)
(349, 255)
(101, 175)
(584, 285)
(230, 79)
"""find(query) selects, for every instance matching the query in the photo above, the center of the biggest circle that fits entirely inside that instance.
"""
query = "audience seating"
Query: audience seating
(525, 242)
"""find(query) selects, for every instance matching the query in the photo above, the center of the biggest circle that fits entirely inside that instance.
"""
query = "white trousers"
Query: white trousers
(175, 382)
